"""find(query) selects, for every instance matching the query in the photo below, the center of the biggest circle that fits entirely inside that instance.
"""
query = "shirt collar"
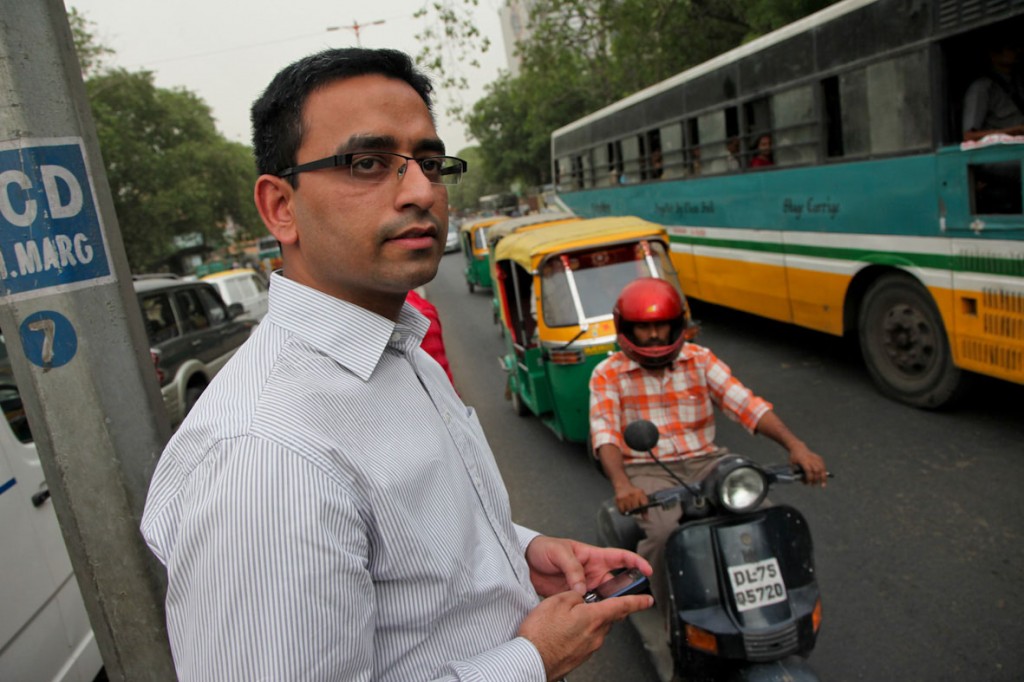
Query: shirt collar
(350, 335)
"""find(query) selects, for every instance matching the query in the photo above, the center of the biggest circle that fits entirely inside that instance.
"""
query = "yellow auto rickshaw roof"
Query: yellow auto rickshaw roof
(524, 247)
(507, 227)
(471, 225)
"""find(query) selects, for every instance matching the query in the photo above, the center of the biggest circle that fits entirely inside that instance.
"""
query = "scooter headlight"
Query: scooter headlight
(742, 489)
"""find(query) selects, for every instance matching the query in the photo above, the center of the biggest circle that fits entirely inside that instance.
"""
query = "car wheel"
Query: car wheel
(192, 394)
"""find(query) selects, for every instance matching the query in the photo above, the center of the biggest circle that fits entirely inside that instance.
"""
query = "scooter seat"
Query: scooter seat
(616, 529)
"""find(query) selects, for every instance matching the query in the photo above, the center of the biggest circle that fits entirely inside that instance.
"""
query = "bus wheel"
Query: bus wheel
(904, 343)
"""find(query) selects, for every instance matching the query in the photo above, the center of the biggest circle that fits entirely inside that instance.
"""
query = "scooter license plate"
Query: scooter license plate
(757, 584)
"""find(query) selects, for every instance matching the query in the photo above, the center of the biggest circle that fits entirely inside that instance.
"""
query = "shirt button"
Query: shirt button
(396, 337)
(447, 417)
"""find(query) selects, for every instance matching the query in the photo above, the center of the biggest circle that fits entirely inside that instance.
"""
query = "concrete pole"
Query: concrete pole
(77, 343)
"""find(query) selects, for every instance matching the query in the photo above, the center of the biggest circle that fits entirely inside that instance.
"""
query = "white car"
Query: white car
(452, 243)
(44, 629)
(242, 285)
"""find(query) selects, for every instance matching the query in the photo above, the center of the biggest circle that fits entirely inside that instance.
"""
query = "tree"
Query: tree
(475, 183)
(586, 54)
(171, 173)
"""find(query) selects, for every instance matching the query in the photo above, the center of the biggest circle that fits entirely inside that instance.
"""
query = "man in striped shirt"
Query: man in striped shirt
(660, 377)
(330, 509)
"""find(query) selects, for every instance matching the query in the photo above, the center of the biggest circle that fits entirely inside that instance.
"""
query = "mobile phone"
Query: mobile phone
(628, 582)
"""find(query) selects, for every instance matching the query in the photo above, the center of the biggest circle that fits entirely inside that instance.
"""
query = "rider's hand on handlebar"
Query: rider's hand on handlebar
(813, 465)
(628, 497)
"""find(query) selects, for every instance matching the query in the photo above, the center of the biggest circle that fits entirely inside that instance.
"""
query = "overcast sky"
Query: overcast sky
(227, 51)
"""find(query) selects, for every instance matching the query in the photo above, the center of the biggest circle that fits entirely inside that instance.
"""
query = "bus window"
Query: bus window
(672, 159)
(711, 128)
(795, 134)
(577, 172)
(757, 121)
(995, 188)
(853, 107)
(833, 117)
(610, 165)
(632, 151)
(654, 162)
(898, 94)
(587, 167)
(693, 153)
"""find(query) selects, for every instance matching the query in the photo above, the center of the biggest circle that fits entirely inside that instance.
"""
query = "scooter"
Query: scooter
(744, 598)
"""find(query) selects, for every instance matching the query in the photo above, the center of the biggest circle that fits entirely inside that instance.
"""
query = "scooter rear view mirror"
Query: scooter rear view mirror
(641, 435)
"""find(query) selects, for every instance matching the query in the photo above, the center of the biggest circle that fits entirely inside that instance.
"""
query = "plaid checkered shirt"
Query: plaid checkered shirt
(679, 401)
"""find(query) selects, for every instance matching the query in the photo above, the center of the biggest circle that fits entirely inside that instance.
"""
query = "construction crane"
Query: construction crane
(356, 26)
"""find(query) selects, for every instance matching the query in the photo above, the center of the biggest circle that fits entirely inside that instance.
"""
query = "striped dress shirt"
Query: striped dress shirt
(679, 401)
(330, 510)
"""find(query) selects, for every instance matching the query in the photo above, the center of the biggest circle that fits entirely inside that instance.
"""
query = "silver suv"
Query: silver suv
(192, 334)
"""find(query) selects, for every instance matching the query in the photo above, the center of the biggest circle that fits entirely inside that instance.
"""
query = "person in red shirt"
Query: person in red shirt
(659, 376)
(764, 152)
(433, 342)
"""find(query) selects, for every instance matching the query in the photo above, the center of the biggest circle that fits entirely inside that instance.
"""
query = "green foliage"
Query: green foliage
(170, 171)
(450, 44)
(586, 54)
(475, 184)
(91, 53)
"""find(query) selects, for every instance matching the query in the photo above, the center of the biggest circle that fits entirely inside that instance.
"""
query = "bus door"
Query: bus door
(980, 203)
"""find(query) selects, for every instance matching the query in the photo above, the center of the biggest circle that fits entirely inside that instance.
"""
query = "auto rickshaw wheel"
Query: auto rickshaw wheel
(471, 286)
(518, 406)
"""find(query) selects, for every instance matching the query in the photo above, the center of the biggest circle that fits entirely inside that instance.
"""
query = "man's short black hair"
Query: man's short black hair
(277, 114)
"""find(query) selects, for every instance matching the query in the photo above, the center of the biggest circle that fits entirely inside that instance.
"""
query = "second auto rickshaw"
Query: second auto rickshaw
(473, 234)
(498, 231)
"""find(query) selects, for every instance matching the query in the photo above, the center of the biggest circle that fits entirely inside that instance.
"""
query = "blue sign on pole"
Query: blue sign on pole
(51, 237)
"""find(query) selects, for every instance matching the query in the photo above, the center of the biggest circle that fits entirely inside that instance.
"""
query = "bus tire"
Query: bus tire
(904, 343)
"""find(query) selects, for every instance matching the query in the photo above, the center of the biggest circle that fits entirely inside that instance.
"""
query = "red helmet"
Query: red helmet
(649, 299)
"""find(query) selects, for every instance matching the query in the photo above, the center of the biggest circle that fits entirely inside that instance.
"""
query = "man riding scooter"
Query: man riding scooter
(661, 377)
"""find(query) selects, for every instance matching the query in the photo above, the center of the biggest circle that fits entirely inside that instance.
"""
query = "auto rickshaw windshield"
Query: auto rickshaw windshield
(599, 276)
(480, 238)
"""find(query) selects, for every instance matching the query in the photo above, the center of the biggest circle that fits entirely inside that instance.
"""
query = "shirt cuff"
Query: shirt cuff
(515, 661)
(525, 536)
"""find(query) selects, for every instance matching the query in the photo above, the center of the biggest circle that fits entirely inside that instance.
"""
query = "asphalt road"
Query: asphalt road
(918, 538)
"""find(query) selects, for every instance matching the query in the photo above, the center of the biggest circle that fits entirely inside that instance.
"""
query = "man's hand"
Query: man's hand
(813, 465)
(567, 631)
(558, 565)
(628, 497)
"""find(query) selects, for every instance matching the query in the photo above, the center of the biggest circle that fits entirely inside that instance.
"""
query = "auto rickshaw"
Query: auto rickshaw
(473, 234)
(556, 285)
(499, 231)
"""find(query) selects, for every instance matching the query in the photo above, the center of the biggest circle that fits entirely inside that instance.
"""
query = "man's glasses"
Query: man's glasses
(382, 166)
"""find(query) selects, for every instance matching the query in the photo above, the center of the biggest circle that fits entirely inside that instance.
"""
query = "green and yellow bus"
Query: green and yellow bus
(869, 215)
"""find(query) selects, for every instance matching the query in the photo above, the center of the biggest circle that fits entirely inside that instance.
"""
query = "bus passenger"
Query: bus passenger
(661, 377)
(994, 103)
(732, 161)
(764, 152)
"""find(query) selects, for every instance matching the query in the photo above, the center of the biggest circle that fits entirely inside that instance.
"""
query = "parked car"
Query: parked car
(44, 628)
(242, 285)
(452, 243)
(192, 334)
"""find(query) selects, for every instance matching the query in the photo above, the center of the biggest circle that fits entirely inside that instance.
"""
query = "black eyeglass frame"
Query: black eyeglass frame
(340, 160)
